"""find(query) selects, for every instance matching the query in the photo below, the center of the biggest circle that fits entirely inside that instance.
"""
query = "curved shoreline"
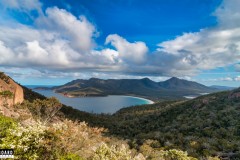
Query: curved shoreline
(69, 96)
(148, 100)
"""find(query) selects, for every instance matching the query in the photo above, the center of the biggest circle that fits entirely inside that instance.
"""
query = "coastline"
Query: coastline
(71, 96)
(148, 100)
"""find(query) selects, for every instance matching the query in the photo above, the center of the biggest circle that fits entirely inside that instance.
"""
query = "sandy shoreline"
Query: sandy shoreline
(148, 100)
(70, 96)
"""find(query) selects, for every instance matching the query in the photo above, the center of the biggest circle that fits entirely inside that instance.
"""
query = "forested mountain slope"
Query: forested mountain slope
(208, 125)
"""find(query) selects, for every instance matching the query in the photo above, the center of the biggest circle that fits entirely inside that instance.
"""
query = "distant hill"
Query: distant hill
(222, 88)
(169, 89)
(181, 84)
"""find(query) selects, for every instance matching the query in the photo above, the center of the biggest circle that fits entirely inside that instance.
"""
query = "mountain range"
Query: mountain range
(173, 88)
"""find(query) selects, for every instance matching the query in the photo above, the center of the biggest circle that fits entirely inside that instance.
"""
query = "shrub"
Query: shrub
(34, 141)
(6, 123)
(70, 156)
(175, 154)
(6, 95)
(115, 153)
(44, 110)
(77, 138)
(27, 142)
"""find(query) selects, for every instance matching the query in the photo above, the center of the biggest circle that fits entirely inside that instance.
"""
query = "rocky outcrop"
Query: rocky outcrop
(9, 85)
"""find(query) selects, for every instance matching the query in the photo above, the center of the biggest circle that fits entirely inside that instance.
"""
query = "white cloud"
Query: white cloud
(26, 47)
(61, 42)
(229, 79)
(237, 78)
(66, 43)
(176, 45)
(228, 14)
(8, 54)
(226, 79)
(129, 52)
(79, 31)
(46, 74)
(209, 48)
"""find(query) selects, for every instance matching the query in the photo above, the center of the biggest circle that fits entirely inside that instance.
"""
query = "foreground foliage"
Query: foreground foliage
(60, 138)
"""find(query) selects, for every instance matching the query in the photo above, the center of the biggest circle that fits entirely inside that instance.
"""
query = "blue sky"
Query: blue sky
(53, 42)
(140, 20)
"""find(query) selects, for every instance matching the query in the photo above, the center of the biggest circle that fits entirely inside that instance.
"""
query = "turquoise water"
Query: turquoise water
(108, 104)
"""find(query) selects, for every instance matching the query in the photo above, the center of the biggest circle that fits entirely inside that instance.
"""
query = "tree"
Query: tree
(44, 110)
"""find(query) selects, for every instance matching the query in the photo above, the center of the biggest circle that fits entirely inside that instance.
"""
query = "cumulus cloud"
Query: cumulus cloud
(237, 78)
(228, 14)
(60, 41)
(31, 47)
(229, 79)
(65, 43)
(78, 31)
(204, 50)
(209, 48)
(130, 52)
(226, 79)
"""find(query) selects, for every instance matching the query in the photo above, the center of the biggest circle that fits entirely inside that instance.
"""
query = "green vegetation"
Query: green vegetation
(60, 138)
(6, 123)
(31, 95)
(114, 153)
(43, 110)
(6, 95)
(207, 127)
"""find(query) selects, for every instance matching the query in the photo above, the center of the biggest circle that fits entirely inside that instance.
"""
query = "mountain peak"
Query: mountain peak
(146, 79)
(94, 79)
(174, 79)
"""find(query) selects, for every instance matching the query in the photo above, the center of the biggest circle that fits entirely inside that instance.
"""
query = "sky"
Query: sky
(53, 42)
